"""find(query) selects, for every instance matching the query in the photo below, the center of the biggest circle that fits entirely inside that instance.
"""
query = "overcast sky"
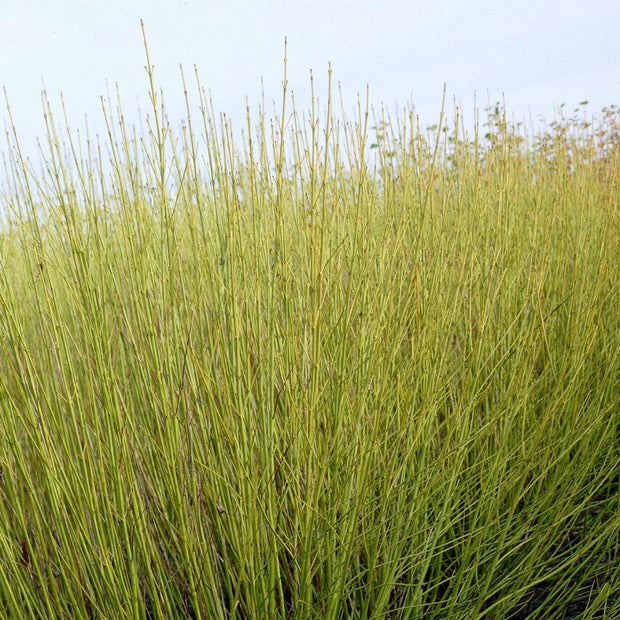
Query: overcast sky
(535, 53)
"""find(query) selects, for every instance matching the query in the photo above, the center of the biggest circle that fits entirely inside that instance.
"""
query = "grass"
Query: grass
(294, 376)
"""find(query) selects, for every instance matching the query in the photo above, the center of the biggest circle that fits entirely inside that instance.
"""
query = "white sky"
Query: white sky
(536, 53)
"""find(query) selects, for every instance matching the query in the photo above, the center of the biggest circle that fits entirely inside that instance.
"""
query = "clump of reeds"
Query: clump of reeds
(300, 377)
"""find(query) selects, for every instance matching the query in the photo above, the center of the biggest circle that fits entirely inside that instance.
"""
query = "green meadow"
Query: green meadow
(342, 366)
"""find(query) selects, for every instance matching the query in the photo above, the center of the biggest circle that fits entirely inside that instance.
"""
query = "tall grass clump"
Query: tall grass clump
(294, 376)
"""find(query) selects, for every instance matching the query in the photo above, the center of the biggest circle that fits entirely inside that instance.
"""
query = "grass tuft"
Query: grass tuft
(344, 368)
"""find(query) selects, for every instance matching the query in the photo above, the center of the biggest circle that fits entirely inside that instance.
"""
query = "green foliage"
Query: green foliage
(308, 378)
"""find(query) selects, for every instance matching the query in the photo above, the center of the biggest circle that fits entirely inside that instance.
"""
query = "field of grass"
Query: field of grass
(338, 368)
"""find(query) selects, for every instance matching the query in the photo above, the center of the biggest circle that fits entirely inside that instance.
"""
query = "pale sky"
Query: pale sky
(536, 54)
